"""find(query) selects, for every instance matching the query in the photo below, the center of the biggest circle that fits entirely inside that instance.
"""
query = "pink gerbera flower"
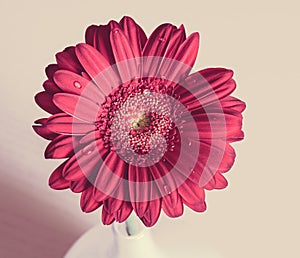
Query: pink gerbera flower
(136, 129)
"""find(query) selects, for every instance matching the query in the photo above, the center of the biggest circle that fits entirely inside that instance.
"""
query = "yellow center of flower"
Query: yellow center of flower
(141, 122)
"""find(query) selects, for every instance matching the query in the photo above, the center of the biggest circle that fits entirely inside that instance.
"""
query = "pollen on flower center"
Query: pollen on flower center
(141, 122)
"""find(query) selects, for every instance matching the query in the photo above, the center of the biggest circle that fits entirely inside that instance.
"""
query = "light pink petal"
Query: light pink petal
(56, 180)
(191, 192)
(87, 202)
(233, 103)
(77, 106)
(135, 35)
(61, 147)
(70, 82)
(44, 100)
(123, 52)
(172, 204)
(64, 124)
(152, 214)
(217, 182)
(96, 66)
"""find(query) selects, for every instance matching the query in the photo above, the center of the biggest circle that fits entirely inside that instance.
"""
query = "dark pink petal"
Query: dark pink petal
(185, 58)
(152, 214)
(172, 204)
(123, 213)
(50, 70)
(44, 100)
(77, 106)
(102, 43)
(107, 218)
(112, 205)
(64, 124)
(140, 193)
(156, 46)
(51, 87)
(85, 163)
(109, 176)
(67, 60)
(90, 137)
(70, 82)
(90, 35)
(56, 180)
(80, 185)
(122, 51)
(87, 202)
(61, 147)
(177, 38)
(41, 129)
(135, 35)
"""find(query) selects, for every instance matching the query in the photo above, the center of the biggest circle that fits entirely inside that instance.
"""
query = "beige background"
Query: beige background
(256, 216)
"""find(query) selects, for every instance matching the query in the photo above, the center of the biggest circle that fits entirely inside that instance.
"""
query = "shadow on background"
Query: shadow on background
(30, 227)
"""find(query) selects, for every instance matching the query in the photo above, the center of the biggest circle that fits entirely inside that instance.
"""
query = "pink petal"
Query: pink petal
(217, 182)
(85, 163)
(73, 83)
(198, 206)
(107, 218)
(172, 204)
(64, 124)
(135, 35)
(95, 64)
(109, 176)
(123, 52)
(90, 35)
(139, 188)
(44, 100)
(112, 205)
(77, 106)
(152, 214)
(80, 185)
(156, 46)
(233, 103)
(191, 192)
(56, 180)
(67, 60)
(50, 70)
(51, 87)
(123, 213)
(61, 147)
(102, 43)
(87, 202)
(42, 129)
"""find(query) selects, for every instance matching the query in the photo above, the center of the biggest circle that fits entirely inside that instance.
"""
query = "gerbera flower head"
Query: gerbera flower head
(138, 131)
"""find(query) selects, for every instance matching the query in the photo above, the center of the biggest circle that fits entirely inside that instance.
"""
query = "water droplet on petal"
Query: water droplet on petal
(167, 189)
(87, 150)
(77, 85)
(162, 40)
